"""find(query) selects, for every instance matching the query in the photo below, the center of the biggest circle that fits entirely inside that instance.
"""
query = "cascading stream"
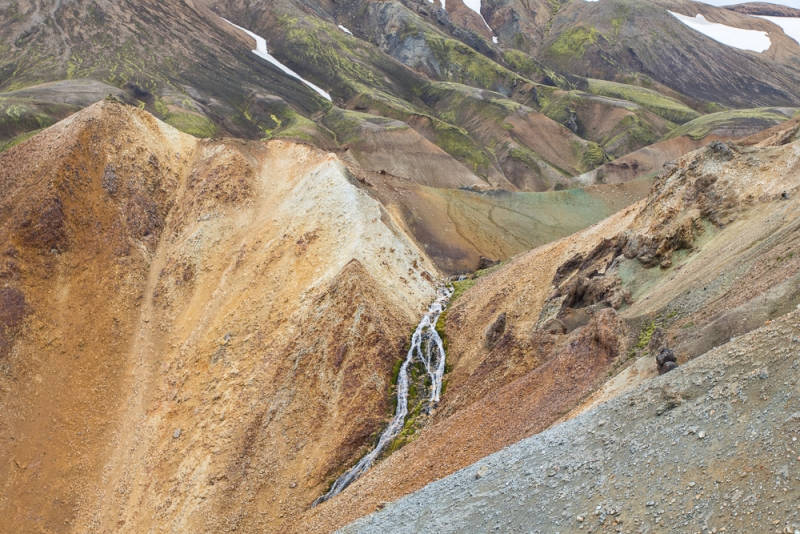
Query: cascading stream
(426, 347)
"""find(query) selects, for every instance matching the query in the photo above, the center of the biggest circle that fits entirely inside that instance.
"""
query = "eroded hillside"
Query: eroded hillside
(710, 447)
(710, 255)
(199, 331)
(213, 324)
(518, 96)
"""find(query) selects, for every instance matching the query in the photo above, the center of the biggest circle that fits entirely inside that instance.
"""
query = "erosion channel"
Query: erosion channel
(426, 347)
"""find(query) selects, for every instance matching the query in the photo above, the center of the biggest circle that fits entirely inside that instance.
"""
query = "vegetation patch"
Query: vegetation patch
(758, 118)
(192, 124)
(530, 68)
(17, 140)
(668, 108)
(592, 156)
(574, 41)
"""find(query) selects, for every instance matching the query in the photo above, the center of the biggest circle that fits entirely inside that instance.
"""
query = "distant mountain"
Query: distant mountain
(765, 9)
(567, 87)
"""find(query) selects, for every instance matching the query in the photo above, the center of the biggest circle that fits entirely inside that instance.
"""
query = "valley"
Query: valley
(302, 266)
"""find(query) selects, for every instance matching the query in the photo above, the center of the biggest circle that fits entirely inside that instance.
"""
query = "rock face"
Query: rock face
(707, 447)
(178, 326)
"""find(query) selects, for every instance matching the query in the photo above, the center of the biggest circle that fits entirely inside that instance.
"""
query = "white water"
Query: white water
(756, 41)
(426, 347)
(789, 25)
(261, 51)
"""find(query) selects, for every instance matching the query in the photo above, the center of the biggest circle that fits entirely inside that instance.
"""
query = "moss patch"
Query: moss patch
(663, 106)
(192, 124)
(758, 118)
(574, 41)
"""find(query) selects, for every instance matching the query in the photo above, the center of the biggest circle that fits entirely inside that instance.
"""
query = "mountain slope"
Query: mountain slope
(541, 333)
(437, 71)
(709, 447)
(213, 324)
(146, 332)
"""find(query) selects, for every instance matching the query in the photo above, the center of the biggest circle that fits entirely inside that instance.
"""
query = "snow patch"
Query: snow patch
(756, 41)
(261, 51)
(345, 30)
(789, 25)
(475, 5)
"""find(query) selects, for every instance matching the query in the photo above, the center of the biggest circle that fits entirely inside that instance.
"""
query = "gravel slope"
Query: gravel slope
(711, 447)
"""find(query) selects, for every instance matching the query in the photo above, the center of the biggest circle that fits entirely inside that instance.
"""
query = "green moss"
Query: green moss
(526, 157)
(456, 142)
(668, 108)
(530, 68)
(161, 108)
(699, 128)
(645, 335)
(192, 124)
(592, 157)
(574, 41)
(459, 63)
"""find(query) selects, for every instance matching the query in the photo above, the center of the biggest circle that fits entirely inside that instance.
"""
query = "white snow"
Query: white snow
(756, 41)
(475, 5)
(261, 51)
(789, 25)
(442, 2)
(345, 30)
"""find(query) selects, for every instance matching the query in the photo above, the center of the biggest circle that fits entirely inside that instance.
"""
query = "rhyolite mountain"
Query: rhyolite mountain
(417, 91)
(212, 260)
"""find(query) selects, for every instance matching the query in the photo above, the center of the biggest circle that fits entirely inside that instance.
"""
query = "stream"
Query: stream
(426, 347)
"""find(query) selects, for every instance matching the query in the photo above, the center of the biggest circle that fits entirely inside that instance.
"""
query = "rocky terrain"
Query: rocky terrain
(139, 366)
(172, 307)
(709, 255)
(216, 240)
(711, 447)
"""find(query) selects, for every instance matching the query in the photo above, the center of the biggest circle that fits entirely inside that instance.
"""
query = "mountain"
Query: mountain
(709, 256)
(404, 77)
(223, 224)
(173, 307)
(654, 459)
(765, 9)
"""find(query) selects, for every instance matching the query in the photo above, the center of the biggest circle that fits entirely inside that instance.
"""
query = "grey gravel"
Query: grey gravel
(713, 445)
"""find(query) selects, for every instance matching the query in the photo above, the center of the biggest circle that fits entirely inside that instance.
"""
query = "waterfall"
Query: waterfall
(426, 347)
